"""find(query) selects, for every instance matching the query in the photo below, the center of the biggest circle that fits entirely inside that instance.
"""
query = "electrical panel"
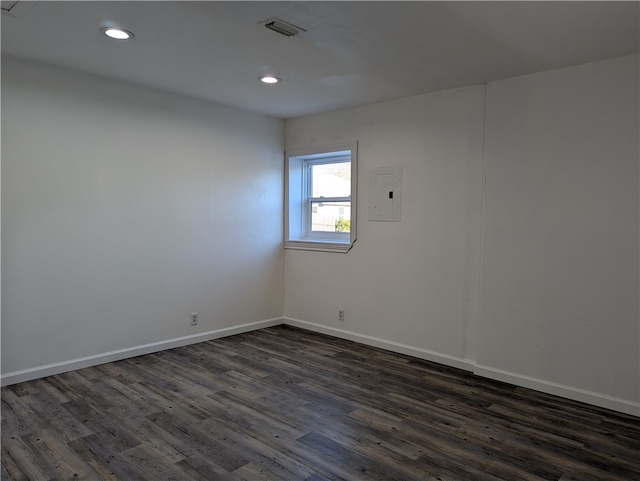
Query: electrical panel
(385, 194)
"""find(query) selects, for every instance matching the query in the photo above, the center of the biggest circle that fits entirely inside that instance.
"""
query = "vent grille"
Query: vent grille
(283, 28)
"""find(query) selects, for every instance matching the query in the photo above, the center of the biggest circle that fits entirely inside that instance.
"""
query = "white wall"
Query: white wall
(124, 210)
(550, 300)
(560, 257)
(412, 282)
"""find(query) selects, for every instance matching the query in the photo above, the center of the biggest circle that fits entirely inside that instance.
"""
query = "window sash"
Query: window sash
(329, 199)
(309, 201)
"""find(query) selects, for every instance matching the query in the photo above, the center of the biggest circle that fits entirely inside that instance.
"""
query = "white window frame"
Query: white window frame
(298, 200)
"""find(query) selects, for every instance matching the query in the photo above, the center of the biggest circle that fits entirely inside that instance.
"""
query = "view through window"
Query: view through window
(330, 199)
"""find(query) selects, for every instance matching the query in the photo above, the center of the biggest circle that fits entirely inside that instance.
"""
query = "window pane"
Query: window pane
(331, 216)
(331, 180)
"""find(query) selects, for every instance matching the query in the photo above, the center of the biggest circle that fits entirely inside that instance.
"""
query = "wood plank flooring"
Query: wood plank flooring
(287, 404)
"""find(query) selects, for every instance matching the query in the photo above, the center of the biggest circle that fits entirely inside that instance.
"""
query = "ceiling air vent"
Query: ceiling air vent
(282, 27)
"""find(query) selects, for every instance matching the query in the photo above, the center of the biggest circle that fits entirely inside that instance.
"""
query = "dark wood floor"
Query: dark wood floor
(286, 404)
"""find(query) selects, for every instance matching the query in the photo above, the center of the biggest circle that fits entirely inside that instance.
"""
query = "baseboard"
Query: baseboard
(111, 356)
(593, 398)
(589, 397)
(568, 392)
(384, 344)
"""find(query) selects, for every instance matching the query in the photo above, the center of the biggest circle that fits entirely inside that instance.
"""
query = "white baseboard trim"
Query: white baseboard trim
(111, 356)
(568, 392)
(384, 344)
(589, 397)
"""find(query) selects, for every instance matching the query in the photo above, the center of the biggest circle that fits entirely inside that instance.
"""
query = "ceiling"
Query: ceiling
(352, 53)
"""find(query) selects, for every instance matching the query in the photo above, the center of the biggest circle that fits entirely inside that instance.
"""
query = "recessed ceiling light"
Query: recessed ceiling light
(269, 79)
(117, 33)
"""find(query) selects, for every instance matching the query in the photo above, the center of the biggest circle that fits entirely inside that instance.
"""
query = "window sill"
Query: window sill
(322, 246)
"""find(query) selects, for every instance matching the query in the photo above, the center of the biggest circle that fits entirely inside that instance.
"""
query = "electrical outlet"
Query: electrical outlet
(341, 314)
(194, 318)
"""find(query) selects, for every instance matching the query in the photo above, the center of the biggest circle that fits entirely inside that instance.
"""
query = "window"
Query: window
(320, 198)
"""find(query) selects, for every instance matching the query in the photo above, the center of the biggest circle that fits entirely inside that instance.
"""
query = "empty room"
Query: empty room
(320, 241)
